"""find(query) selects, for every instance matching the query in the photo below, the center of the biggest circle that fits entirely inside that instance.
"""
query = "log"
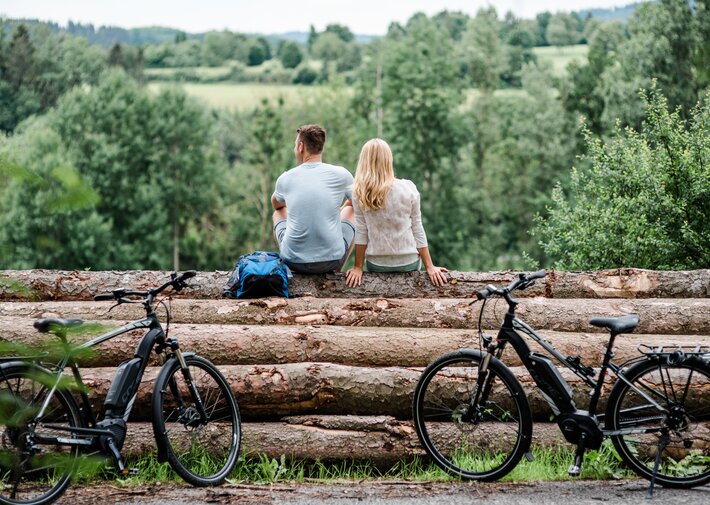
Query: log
(272, 391)
(358, 346)
(381, 440)
(617, 283)
(658, 316)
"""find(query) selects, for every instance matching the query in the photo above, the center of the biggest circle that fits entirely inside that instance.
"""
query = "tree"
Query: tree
(420, 97)
(290, 54)
(312, 36)
(267, 47)
(454, 22)
(150, 160)
(645, 201)
(543, 19)
(481, 51)
(328, 47)
(257, 55)
(663, 41)
(20, 66)
(48, 217)
(562, 30)
(585, 95)
(342, 31)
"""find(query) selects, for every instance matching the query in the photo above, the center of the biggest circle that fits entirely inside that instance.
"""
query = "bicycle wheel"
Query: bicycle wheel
(32, 472)
(203, 452)
(476, 429)
(683, 391)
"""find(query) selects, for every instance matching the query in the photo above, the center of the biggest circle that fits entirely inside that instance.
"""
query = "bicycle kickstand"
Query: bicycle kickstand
(662, 444)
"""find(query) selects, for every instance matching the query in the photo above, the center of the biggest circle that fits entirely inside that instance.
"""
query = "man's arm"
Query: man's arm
(278, 204)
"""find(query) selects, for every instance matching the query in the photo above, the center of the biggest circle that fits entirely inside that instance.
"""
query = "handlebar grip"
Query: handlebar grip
(188, 274)
(104, 296)
(537, 275)
(482, 294)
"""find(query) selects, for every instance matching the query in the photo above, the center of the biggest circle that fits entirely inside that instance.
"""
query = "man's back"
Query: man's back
(313, 193)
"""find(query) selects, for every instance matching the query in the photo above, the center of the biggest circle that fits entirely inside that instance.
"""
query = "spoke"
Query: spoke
(687, 387)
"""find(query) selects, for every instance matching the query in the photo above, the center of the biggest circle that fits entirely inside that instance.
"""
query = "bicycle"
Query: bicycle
(473, 417)
(45, 434)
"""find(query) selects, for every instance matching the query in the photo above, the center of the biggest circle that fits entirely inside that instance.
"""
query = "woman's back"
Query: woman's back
(395, 232)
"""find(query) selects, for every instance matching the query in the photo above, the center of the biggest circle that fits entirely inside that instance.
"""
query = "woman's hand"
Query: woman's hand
(353, 277)
(436, 275)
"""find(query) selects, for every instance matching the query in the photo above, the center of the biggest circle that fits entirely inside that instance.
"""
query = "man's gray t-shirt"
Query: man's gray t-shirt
(313, 193)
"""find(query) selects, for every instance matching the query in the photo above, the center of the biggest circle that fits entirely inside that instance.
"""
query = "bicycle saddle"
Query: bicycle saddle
(47, 325)
(623, 324)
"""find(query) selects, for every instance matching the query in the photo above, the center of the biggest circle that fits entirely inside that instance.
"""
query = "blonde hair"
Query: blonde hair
(374, 175)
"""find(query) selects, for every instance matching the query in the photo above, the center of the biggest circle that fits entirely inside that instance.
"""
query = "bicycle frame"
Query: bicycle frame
(114, 432)
(552, 385)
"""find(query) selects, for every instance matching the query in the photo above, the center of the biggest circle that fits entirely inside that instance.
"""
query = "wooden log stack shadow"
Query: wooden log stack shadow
(330, 373)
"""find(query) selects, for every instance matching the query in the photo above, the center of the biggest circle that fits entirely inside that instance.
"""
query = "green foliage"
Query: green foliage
(290, 54)
(562, 30)
(481, 50)
(150, 161)
(421, 124)
(305, 75)
(663, 40)
(645, 200)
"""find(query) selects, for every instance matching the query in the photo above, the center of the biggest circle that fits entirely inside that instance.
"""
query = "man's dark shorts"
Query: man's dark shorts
(319, 267)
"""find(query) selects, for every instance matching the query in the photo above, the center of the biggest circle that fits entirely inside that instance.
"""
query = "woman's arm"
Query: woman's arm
(436, 274)
(353, 277)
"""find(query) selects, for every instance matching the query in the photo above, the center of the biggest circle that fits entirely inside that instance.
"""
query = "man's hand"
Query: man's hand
(353, 277)
(436, 275)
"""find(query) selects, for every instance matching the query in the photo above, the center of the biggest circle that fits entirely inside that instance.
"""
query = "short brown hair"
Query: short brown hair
(313, 137)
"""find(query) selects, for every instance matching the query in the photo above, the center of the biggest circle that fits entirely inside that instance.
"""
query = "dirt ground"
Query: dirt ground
(630, 492)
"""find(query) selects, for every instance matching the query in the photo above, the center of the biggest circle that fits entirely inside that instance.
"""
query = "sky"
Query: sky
(366, 17)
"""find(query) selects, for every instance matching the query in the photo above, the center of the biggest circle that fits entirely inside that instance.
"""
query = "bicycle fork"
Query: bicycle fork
(194, 393)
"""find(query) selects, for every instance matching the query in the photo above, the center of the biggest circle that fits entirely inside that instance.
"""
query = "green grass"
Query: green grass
(170, 73)
(241, 96)
(559, 57)
(548, 465)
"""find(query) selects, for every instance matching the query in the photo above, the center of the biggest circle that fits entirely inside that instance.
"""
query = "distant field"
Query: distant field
(169, 73)
(248, 96)
(560, 57)
(241, 96)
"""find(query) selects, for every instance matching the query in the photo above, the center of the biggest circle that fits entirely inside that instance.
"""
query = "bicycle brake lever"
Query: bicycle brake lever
(473, 302)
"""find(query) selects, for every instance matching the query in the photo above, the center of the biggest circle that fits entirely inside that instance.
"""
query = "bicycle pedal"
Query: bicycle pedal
(129, 472)
(574, 471)
(529, 456)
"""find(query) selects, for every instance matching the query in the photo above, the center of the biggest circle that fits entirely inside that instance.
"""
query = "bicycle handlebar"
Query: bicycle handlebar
(176, 281)
(523, 281)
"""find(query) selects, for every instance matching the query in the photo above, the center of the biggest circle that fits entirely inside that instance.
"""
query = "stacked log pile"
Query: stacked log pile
(329, 374)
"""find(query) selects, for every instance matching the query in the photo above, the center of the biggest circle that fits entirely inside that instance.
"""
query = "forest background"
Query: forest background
(569, 140)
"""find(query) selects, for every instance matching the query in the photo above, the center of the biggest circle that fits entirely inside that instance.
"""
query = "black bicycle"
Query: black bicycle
(45, 434)
(473, 417)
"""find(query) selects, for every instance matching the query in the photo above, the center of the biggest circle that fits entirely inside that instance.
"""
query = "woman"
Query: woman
(388, 220)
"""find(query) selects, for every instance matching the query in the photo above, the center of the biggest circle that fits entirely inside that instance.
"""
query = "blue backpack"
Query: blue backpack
(258, 275)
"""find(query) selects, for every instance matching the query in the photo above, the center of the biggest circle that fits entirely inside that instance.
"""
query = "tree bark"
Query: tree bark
(618, 283)
(358, 346)
(381, 440)
(658, 316)
(272, 391)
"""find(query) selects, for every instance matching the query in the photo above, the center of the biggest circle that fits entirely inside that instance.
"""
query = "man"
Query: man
(314, 230)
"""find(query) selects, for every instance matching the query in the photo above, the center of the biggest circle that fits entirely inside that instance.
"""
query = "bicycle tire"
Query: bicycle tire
(684, 463)
(489, 446)
(203, 454)
(21, 385)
